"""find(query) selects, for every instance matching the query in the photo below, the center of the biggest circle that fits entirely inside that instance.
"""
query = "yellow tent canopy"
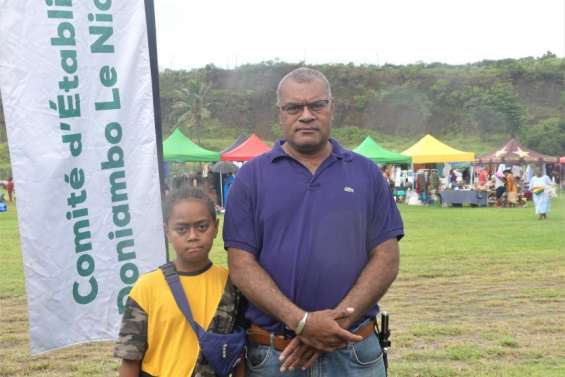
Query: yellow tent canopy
(429, 150)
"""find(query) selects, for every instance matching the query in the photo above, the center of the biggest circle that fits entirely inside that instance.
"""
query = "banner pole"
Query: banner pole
(152, 42)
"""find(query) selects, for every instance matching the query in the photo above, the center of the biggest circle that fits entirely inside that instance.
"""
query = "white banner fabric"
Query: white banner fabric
(76, 89)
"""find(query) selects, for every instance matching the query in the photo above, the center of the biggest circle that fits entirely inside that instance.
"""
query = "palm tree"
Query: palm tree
(190, 107)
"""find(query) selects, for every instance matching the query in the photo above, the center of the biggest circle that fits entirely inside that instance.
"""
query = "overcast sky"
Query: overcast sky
(229, 33)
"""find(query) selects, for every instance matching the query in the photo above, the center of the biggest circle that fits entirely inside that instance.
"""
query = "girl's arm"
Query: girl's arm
(132, 339)
(130, 368)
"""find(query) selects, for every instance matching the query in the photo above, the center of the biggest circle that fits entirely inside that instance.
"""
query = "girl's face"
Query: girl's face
(192, 230)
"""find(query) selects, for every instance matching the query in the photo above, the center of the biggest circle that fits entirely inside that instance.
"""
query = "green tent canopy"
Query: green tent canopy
(179, 148)
(373, 151)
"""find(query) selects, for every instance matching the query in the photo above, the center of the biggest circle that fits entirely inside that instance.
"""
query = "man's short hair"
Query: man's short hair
(303, 74)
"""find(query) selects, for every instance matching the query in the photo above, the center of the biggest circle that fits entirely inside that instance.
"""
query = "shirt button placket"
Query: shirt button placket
(313, 184)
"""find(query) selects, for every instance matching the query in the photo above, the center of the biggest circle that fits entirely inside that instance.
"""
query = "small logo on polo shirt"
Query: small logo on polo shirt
(348, 189)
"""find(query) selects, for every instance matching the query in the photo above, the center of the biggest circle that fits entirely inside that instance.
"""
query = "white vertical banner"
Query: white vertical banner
(77, 94)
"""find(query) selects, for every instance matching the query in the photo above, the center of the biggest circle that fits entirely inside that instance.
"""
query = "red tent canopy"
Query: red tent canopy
(240, 139)
(515, 153)
(250, 148)
(562, 160)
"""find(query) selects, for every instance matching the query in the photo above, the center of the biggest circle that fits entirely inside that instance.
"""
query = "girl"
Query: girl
(155, 339)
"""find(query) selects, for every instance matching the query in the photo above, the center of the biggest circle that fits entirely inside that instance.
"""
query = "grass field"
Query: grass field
(481, 292)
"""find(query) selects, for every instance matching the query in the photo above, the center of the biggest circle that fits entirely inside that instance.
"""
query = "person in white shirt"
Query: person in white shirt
(540, 184)
(499, 184)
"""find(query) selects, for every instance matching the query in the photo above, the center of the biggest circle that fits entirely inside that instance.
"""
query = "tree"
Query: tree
(489, 120)
(241, 103)
(548, 55)
(190, 107)
(489, 98)
(548, 136)
(497, 109)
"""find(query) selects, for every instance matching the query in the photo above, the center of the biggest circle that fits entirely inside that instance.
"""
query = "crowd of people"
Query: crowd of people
(503, 185)
(514, 186)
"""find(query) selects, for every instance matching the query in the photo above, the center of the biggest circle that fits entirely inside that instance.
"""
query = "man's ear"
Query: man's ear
(332, 107)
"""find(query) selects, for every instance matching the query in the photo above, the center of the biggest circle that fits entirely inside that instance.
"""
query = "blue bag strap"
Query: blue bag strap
(172, 278)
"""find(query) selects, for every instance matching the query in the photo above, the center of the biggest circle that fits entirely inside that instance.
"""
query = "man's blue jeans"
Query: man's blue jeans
(363, 359)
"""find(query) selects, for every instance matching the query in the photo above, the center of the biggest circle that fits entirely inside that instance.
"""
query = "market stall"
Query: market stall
(390, 164)
(179, 148)
(373, 151)
(250, 148)
(514, 153)
(242, 151)
(430, 150)
(240, 139)
(426, 154)
(519, 162)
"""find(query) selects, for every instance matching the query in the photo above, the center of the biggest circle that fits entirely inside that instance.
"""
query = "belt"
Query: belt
(258, 335)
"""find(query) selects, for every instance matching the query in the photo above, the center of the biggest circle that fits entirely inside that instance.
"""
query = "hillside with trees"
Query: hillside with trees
(485, 102)
(489, 100)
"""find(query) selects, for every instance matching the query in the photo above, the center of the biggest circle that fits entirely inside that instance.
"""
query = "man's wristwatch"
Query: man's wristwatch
(300, 327)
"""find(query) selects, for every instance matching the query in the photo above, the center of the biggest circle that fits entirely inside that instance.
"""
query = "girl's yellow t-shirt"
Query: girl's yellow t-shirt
(173, 347)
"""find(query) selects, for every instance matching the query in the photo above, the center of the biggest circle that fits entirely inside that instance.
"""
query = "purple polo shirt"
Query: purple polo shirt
(311, 233)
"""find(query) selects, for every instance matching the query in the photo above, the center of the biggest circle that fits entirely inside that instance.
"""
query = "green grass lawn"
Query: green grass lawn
(481, 292)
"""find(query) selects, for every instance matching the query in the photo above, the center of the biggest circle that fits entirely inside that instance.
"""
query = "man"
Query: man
(311, 229)
(499, 184)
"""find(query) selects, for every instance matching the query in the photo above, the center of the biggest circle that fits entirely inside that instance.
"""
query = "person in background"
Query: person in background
(516, 171)
(483, 177)
(500, 186)
(434, 184)
(180, 181)
(388, 176)
(228, 182)
(511, 188)
(540, 184)
(435, 181)
(10, 189)
(452, 179)
(466, 176)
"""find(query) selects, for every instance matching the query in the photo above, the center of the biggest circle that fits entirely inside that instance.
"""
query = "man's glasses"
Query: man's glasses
(297, 108)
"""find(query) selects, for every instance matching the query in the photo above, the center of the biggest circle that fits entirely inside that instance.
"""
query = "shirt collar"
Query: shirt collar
(337, 151)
